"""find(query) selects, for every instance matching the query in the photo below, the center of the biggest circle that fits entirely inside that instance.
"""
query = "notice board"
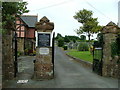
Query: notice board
(43, 40)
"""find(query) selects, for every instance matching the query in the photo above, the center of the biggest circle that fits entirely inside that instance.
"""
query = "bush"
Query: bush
(30, 51)
(26, 51)
(61, 42)
(83, 46)
(65, 47)
(19, 53)
(34, 53)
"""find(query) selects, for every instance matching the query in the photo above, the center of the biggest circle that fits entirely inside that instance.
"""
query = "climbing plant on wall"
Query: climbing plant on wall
(115, 47)
(118, 44)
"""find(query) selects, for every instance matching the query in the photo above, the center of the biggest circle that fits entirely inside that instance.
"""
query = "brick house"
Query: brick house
(25, 26)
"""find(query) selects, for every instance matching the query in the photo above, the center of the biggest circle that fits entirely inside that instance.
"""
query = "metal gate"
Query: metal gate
(97, 58)
(15, 53)
(53, 51)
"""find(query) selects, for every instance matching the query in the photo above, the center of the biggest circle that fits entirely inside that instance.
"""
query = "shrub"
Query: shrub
(30, 51)
(34, 53)
(26, 51)
(61, 42)
(19, 53)
(65, 47)
(83, 46)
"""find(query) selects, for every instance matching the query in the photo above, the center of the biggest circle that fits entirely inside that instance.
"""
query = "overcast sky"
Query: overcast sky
(61, 12)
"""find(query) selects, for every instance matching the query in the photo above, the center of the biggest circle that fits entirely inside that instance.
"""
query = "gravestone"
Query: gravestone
(43, 66)
(70, 45)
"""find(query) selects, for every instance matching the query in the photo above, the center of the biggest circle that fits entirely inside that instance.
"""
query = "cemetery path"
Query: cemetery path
(68, 74)
(71, 74)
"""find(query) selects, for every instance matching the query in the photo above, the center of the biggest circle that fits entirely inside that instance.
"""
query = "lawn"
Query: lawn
(83, 55)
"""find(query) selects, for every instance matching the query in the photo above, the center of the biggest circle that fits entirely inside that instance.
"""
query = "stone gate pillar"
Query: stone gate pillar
(43, 67)
(110, 66)
(8, 71)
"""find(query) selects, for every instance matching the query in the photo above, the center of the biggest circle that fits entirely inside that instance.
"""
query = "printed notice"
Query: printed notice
(44, 51)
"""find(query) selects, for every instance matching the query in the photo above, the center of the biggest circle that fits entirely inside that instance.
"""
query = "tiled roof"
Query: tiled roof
(30, 20)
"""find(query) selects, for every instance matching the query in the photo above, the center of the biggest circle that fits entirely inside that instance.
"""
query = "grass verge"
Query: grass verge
(84, 55)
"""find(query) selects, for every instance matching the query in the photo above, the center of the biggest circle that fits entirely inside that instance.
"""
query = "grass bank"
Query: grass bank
(84, 55)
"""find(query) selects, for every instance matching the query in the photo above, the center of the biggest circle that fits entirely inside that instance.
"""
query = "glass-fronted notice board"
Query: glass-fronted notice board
(43, 40)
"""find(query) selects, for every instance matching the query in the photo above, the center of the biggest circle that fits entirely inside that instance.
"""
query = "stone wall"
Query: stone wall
(20, 45)
(30, 44)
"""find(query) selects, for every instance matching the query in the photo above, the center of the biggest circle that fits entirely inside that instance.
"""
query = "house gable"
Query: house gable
(29, 20)
(25, 26)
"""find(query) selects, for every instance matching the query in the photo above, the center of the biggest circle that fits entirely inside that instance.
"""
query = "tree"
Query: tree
(66, 39)
(58, 36)
(82, 37)
(72, 38)
(100, 39)
(83, 46)
(60, 42)
(83, 16)
(10, 10)
(90, 24)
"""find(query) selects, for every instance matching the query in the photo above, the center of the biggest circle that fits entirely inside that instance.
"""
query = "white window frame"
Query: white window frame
(36, 34)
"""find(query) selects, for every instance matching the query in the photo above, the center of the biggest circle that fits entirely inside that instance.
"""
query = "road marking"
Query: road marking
(22, 81)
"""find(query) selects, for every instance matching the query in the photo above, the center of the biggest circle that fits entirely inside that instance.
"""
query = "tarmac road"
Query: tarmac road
(68, 74)
(71, 74)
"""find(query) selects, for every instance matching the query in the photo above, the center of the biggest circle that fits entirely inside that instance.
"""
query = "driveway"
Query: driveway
(68, 74)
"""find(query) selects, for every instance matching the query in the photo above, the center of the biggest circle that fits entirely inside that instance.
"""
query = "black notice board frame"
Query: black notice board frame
(44, 39)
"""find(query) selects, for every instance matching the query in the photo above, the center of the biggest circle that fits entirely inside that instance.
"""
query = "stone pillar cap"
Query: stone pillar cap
(111, 24)
(45, 19)
(111, 27)
(44, 24)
